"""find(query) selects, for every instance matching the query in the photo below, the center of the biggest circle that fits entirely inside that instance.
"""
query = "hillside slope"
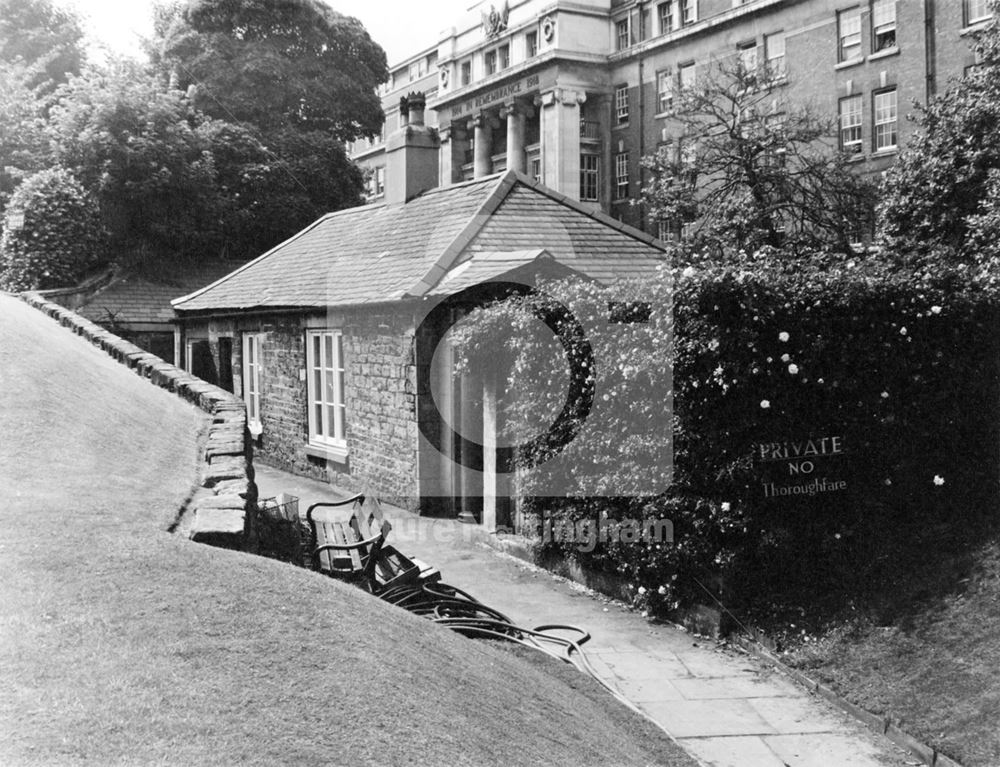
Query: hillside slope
(121, 643)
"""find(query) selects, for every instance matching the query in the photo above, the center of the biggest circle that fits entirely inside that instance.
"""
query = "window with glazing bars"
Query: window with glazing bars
(883, 25)
(774, 53)
(849, 34)
(621, 175)
(665, 14)
(621, 104)
(589, 165)
(327, 408)
(850, 124)
(885, 119)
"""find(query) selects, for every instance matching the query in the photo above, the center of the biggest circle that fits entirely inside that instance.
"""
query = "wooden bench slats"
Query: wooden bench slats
(348, 545)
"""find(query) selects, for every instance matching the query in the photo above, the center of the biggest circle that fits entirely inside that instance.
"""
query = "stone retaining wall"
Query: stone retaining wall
(220, 510)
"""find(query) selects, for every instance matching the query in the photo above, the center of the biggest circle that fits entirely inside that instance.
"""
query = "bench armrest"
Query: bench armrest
(359, 498)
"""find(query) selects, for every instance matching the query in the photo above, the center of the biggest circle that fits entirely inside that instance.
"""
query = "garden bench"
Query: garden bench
(348, 544)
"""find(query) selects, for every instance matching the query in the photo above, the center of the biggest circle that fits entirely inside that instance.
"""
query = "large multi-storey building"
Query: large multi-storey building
(576, 93)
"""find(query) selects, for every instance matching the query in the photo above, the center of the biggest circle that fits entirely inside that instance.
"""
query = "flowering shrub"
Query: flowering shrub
(900, 367)
(58, 237)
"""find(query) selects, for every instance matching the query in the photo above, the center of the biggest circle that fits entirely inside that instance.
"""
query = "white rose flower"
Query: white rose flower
(765, 404)
(783, 336)
(793, 369)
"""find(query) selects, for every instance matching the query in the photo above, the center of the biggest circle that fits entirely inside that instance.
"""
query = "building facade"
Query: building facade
(574, 94)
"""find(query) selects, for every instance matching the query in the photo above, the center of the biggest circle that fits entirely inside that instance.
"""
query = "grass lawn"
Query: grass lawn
(123, 644)
(936, 671)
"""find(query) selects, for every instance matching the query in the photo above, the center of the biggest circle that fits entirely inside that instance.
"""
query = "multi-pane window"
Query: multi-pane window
(589, 164)
(622, 35)
(850, 124)
(885, 120)
(976, 10)
(251, 379)
(621, 176)
(883, 25)
(327, 408)
(664, 91)
(665, 14)
(747, 53)
(531, 44)
(774, 53)
(621, 104)
(379, 177)
(776, 148)
(685, 76)
(503, 56)
(466, 73)
(849, 34)
(689, 12)
(490, 62)
(535, 168)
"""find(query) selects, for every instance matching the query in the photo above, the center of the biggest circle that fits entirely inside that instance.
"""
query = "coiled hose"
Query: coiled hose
(460, 611)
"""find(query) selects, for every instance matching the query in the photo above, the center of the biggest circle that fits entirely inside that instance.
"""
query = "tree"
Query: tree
(23, 146)
(57, 236)
(147, 157)
(943, 186)
(43, 37)
(277, 64)
(743, 169)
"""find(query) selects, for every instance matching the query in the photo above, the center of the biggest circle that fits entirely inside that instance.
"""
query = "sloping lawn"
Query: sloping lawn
(123, 644)
(935, 671)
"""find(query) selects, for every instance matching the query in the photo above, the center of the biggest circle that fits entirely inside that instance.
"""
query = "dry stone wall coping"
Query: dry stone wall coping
(220, 510)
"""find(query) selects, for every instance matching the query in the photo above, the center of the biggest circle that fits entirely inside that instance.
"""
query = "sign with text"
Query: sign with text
(802, 468)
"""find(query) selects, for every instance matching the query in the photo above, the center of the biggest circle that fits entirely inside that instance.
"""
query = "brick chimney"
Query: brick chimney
(411, 153)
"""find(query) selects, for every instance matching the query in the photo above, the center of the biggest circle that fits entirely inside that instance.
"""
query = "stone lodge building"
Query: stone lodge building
(324, 338)
(574, 94)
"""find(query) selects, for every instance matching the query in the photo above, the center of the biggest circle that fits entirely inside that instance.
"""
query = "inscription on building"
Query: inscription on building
(497, 95)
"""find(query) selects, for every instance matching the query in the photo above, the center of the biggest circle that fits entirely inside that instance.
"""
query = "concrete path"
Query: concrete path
(724, 708)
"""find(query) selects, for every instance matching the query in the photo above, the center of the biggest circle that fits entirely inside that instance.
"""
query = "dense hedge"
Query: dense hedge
(900, 369)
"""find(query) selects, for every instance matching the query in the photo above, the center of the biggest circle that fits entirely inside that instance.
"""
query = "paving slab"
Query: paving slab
(725, 708)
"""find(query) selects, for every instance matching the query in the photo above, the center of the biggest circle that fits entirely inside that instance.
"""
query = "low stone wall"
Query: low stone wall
(220, 511)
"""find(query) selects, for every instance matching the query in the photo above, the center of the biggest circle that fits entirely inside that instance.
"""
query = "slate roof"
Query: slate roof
(380, 253)
(133, 298)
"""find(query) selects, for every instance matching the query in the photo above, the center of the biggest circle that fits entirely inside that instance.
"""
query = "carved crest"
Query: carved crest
(495, 22)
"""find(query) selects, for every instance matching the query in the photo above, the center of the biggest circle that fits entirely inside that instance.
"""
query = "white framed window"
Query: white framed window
(774, 54)
(622, 34)
(490, 61)
(685, 76)
(380, 181)
(666, 16)
(850, 124)
(589, 177)
(849, 34)
(251, 380)
(503, 56)
(621, 104)
(883, 25)
(621, 175)
(535, 168)
(664, 91)
(776, 138)
(747, 53)
(689, 12)
(531, 44)
(465, 72)
(976, 11)
(325, 374)
(885, 119)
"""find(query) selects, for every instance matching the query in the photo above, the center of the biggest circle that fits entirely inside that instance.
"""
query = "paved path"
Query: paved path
(724, 708)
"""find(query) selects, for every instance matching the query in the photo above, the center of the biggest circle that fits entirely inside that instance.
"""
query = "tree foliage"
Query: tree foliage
(57, 236)
(745, 169)
(939, 199)
(277, 64)
(44, 37)
(23, 146)
(146, 156)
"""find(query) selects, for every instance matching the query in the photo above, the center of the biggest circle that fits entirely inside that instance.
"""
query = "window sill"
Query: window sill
(850, 63)
(856, 157)
(887, 152)
(974, 26)
(618, 126)
(664, 115)
(327, 452)
(884, 54)
(256, 428)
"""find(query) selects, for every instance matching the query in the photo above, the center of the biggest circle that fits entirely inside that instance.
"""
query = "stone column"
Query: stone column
(446, 158)
(515, 115)
(560, 132)
(483, 136)
(490, 488)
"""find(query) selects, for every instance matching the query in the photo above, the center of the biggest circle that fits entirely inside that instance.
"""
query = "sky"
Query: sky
(401, 27)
